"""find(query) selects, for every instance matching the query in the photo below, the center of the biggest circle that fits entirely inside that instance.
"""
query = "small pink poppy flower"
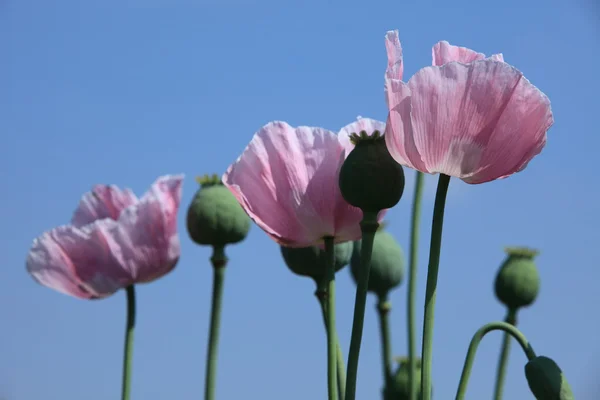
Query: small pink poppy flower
(287, 181)
(114, 241)
(473, 118)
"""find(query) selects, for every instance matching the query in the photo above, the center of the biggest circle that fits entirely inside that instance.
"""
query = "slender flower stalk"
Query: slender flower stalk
(330, 319)
(386, 273)
(511, 318)
(219, 262)
(128, 351)
(215, 218)
(341, 370)
(510, 330)
(412, 285)
(321, 294)
(383, 311)
(368, 226)
(431, 288)
(371, 180)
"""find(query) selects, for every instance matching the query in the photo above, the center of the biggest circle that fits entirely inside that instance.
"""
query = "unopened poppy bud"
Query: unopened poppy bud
(214, 216)
(398, 388)
(546, 380)
(387, 263)
(370, 178)
(518, 282)
(312, 261)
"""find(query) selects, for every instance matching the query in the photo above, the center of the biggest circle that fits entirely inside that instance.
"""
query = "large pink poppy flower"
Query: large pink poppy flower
(114, 240)
(287, 181)
(466, 116)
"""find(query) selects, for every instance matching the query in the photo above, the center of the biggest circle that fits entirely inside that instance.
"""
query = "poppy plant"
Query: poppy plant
(287, 181)
(113, 242)
(474, 118)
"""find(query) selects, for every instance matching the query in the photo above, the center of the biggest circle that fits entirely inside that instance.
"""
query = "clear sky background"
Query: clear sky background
(124, 91)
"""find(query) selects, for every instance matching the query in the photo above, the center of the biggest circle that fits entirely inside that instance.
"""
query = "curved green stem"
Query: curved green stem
(511, 318)
(383, 310)
(321, 294)
(368, 226)
(431, 288)
(330, 319)
(412, 285)
(503, 326)
(219, 262)
(128, 352)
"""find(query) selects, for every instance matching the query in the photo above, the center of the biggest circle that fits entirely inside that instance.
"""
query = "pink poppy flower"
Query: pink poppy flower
(113, 241)
(287, 181)
(473, 118)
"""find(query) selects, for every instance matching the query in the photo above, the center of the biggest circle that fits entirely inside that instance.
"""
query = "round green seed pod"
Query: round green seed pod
(370, 178)
(398, 387)
(214, 216)
(518, 282)
(546, 380)
(312, 261)
(387, 264)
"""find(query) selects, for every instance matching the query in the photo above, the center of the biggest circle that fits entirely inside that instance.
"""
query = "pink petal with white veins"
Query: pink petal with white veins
(519, 135)
(147, 231)
(443, 53)
(479, 121)
(104, 201)
(395, 66)
(80, 262)
(287, 181)
(399, 135)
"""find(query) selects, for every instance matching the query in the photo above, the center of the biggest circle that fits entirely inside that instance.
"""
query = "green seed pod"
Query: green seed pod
(312, 261)
(518, 282)
(546, 380)
(214, 216)
(398, 387)
(387, 263)
(370, 178)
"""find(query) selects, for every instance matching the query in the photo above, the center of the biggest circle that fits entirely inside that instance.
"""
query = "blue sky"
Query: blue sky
(124, 91)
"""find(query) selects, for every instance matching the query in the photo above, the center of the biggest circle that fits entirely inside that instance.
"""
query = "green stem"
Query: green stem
(511, 318)
(341, 370)
(368, 226)
(219, 262)
(383, 310)
(330, 319)
(321, 294)
(128, 352)
(503, 326)
(412, 285)
(431, 288)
